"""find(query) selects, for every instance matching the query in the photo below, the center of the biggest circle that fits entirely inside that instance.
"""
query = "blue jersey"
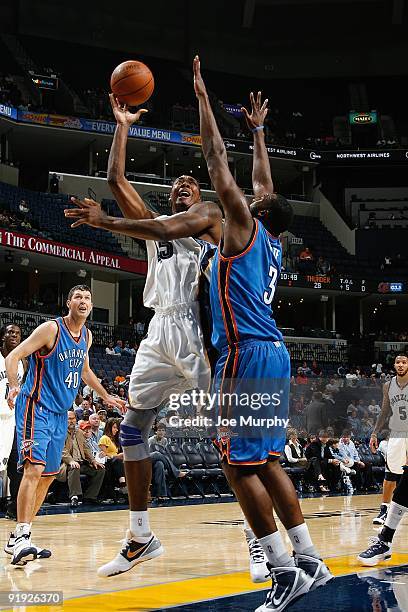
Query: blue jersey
(242, 290)
(53, 380)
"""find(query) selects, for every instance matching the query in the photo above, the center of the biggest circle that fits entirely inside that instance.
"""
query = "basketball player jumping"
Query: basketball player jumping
(58, 351)
(172, 357)
(244, 276)
(394, 411)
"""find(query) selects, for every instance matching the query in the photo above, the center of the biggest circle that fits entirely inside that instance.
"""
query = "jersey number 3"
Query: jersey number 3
(270, 292)
(72, 380)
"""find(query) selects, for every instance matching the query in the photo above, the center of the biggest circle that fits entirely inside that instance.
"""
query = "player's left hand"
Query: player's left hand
(11, 398)
(88, 212)
(199, 85)
(258, 111)
(115, 402)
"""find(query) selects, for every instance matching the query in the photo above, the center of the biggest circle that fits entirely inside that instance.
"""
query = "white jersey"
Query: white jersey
(399, 406)
(173, 271)
(4, 407)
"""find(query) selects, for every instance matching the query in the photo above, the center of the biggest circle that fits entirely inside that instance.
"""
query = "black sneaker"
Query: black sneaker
(380, 519)
(378, 551)
(288, 583)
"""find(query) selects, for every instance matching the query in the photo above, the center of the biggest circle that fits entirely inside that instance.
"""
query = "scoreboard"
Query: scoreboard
(340, 283)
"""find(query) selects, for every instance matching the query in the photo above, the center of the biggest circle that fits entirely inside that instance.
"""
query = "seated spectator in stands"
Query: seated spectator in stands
(346, 463)
(333, 386)
(23, 207)
(102, 414)
(351, 378)
(294, 451)
(364, 477)
(161, 463)
(126, 349)
(323, 468)
(361, 407)
(315, 369)
(377, 369)
(79, 410)
(352, 406)
(77, 459)
(110, 349)
(110, 446)
(122, 393)
(297, 416)
(316, 413)
(120, 377)
(306, 261)
(77, 401)
(367, 426)
(322, 266)
(374, 408)
(301, 378)
(166, 420)
(140, 329)
(305, 369)
(353, 422)
(118, 348)
(134, 349)
(97, 427)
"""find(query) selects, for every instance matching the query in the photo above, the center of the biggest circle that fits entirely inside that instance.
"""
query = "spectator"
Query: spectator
(364, 478)
(353, 422)
(118, 348)
(77, 401)
(301, 378)
(322, 266)
(126, 349)
(77, 459)
(159, 438)
(377, 369)
(110, 447)
(316, 413)
(97, 427)
(305, 369)
(345, 462)
(122, 393)
(80, 410)
(352, 406)
(161, 464)
(351, 378)
(374, 408)
(315, 369)
(120, 378)
(134, 348)
(110, 349)
(361, 407)
(140, 329)
(54, 184)
(294, 451)
(306, 261)
(323, 467)
(23, 207)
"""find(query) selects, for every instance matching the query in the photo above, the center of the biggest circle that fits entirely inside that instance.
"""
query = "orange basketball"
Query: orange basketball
(132, 82)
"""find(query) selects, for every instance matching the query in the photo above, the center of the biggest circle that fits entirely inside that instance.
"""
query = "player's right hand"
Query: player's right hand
(11, 398)
(122, 115)
(373, 444)
(258, 111)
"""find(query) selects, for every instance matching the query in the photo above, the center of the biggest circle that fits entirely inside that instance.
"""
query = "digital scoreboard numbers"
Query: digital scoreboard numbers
(319, 282)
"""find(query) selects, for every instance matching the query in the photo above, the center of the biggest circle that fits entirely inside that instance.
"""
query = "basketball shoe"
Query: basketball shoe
(42, 553)
(23, 550)
(380, 519)
(258, 567)
(315, 568)
(376, 552)
(288, 583)
(132, 554)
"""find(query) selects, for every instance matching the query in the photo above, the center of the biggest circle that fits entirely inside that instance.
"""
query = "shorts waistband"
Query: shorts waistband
(175, 308)
(251, 343)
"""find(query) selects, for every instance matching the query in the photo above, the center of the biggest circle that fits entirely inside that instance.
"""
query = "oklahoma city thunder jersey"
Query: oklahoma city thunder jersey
(53, 379)
(242, 290)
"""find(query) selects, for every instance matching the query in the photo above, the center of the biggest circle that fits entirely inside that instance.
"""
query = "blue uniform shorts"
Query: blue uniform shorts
(41, 434)
(252, 381)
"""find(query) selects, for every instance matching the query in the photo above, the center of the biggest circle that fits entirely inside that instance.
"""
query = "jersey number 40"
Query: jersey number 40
(72, 380)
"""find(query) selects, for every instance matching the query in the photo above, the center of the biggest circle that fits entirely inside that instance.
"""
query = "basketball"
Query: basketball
(132, 82)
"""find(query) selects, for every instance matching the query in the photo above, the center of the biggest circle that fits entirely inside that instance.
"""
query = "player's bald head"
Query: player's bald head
(275, 212)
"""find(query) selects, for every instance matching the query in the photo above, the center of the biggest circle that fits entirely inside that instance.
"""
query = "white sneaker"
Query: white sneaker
(288, 583)
(23, 550)
(314, 567)
(42, 553)
(257, 562)
(132, 554)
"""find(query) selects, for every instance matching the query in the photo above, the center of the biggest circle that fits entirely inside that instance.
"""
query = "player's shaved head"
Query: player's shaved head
(275, 212)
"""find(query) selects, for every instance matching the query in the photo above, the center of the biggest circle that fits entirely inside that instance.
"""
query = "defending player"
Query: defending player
(244, 276)
(58, 351)
(394, 411)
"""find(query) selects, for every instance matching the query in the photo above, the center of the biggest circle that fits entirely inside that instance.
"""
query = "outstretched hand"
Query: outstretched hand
(88, 212)
(258, 111)
(122, 115)
(199, 85)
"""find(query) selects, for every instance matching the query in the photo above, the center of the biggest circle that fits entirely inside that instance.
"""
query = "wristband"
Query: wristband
(257, 129)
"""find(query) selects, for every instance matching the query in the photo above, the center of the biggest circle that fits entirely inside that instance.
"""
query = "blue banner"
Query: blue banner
(8, 111)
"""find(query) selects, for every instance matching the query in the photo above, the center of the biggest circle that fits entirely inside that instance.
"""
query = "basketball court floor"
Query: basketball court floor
(205, 566)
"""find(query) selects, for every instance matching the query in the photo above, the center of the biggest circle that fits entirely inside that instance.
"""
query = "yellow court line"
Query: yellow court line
(182, 592)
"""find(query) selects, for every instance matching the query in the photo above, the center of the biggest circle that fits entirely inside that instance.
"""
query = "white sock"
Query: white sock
(22, 529)
(301, 541)
(394, 515)
(140, 526)
(276, 551)
(249, 534)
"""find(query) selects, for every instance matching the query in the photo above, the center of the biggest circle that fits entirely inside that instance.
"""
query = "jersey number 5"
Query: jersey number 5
(270, 292)
(72, 380)
(164, 250)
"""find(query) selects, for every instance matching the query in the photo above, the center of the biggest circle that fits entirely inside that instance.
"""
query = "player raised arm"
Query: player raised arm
(42, 337)
(261, 170)
(239, 222)
(201, 218)
(382, 419)
(130, 202)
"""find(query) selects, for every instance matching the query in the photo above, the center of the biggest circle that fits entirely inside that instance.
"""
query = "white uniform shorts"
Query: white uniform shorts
(7, 426)
(397, 452)
(171, 359)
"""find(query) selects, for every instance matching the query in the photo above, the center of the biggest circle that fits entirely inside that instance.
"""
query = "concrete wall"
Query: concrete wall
(103, 296)
(335, 224)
